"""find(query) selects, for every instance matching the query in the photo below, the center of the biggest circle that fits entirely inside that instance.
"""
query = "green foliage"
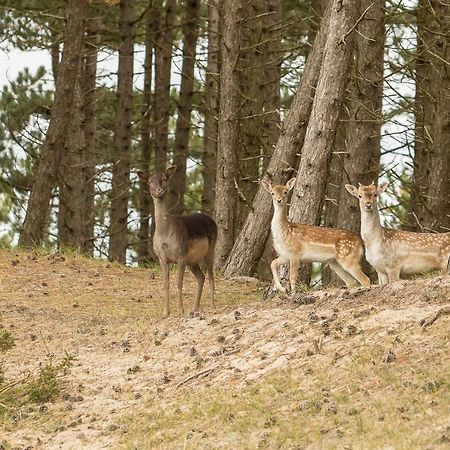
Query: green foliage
(45, 387)
(6, 341)
(42, 388)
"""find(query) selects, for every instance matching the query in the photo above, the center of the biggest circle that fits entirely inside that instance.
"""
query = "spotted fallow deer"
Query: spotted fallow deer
(186, 240)
(295, 242)
(393, 252)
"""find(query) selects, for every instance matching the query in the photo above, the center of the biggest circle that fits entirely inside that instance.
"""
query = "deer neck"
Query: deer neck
(279, 219)
(371, 230)
(161, 214)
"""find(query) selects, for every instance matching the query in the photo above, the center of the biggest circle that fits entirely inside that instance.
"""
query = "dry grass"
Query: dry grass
(353, 369)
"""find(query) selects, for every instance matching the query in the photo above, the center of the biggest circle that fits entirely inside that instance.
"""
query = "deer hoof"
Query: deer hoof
(165, 315)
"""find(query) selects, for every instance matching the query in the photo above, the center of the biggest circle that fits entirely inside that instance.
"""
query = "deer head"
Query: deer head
(158, 182)
(279, 192)
(367, 195)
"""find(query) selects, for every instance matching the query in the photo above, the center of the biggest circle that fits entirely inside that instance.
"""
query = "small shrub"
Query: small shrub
(6, 341)
(45, 387)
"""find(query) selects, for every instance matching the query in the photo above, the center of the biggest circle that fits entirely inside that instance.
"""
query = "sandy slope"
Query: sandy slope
(129, 362)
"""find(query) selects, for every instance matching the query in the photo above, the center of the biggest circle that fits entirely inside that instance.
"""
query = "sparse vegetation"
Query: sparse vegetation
(6, 341)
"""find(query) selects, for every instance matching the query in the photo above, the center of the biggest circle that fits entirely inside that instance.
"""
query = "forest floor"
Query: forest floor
(86, 363)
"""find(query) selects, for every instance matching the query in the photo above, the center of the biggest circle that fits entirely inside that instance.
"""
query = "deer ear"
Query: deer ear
(144, 176)
(290, 184)
(352, 189)
(266, 184)
(382, 187)
(170, 172)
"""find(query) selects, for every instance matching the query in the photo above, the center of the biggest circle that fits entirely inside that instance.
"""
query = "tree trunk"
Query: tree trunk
(333, 188)
(307, 200)
(209, 157)
(361, 162)
(251, 80)
(35, 223)
(183, 125)
(71, 219)
(225, 203)
(249, 245)
(89, 76)
(357, 155)
(145, 204)
(430, 196)
(122, 137)
(163, 61)
(274, 52)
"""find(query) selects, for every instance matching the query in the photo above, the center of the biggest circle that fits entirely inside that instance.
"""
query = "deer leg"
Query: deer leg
(166, 272)
(355, 271)
(181, 269)
(393, 274)
(293, 269)
(274, 265)
(210, 270)
(342, 274)
(200, 277)
(382, 278)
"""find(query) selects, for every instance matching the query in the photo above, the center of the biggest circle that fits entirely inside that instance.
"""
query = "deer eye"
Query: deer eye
(273, 193)
(375, 195)
(285, 192)
(359, 196)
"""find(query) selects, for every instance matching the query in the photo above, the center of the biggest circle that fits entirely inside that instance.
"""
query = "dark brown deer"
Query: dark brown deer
(186, 240)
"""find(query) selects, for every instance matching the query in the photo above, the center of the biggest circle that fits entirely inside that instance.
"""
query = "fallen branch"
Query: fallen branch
(426, 322)
(196, 375)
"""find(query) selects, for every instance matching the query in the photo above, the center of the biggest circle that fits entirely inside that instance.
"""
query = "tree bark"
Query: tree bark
(89, 76)
(273, 49)
(250, 243)
(361, 161)
(307, 200)
(225, 203)
(430, 196)
(35, 223)
(251, 80)
(209, 156)
(145, 204)
(118, 240)
(163, 61)
(183, 124)
(72, 193)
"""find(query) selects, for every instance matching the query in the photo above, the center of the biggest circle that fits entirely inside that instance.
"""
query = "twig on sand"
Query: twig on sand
(196, 375)
(426, 322)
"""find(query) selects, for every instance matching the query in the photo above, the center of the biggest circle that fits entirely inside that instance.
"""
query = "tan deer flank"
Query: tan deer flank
(186, 240)
(393, 252)
(295, 242)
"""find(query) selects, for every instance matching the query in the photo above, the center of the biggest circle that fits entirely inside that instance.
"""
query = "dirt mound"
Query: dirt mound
(353, 365)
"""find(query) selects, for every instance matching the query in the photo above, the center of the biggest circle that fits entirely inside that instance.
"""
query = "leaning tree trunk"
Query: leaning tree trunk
(430, 196)
(307, 200)
(122, 138)
(225, 204)
(357, 158)
(163, 61)
(145, 204)
(89, 77)
(361, 161)
(183, 125)
(35, 223)
(249, 245)
(211, 107)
